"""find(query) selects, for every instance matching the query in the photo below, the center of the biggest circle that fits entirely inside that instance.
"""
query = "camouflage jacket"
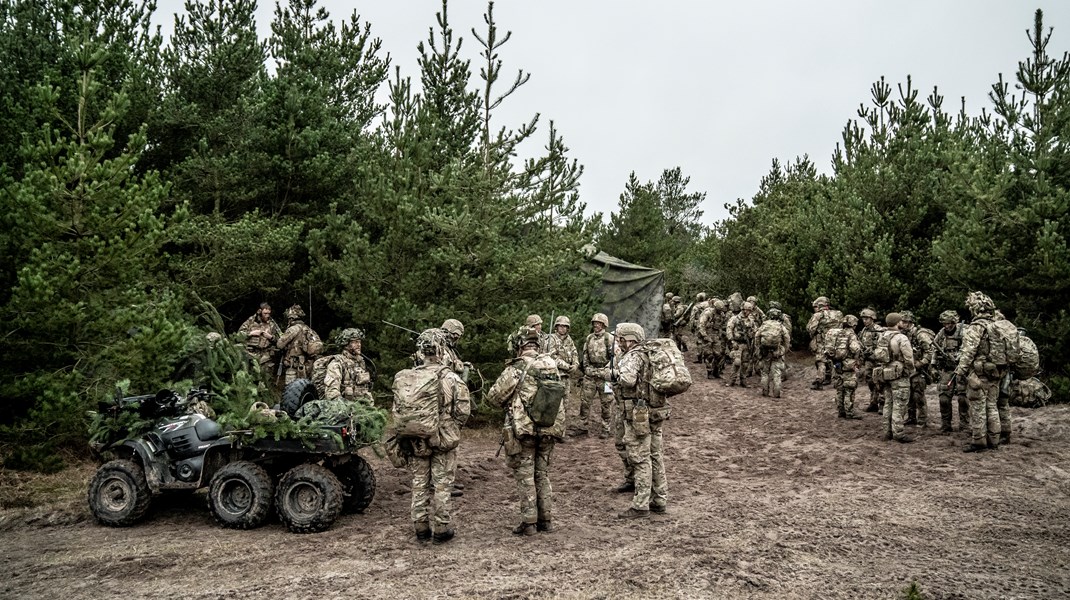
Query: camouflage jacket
(696, 314)
(711, 324)
(921, 342)
(740, 328)
(666, 314)
(901, 351)
(453, 360)
(819, 324)
(260, 336)
(512, 390)
(947, 347)
(347, 378)
(563, 350)
(293, 344)
(975, 350)
(631, 375)
(597, 351)
(868, 338)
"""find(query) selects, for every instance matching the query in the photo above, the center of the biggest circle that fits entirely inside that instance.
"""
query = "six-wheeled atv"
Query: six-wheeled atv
(310, 481)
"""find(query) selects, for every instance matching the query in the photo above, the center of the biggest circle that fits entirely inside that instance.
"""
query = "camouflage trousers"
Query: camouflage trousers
(618, 442)
(645, 457)
(741, 359)
(917, 409)
(714, 355)
(531, 469)
(845, 382)
(432, 480)
(982, 394)
(876, 395)
(947, 401)
(1003, 407)
(680, 337)
(896, 399)
(772, 367)
(593, 392)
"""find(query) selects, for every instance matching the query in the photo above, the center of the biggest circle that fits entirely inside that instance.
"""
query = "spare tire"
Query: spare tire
(358, 484)
(298, 393)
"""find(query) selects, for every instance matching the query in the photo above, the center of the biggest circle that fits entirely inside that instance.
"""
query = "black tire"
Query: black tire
(297, 393)
(240, 495)
(358, 484)
(309, 498)
(119, 495)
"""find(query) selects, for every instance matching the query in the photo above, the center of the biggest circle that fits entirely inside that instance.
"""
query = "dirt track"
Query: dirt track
(767, 499)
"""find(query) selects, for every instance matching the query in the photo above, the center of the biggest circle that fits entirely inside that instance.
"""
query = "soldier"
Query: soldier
(735, 303)
(433, 462)
(770, 343)
(759, 314)
(843, 352)
(666, 316)
(786, 320)
(871, 330)
(817, 326)
(947, 345)
(711, 332)
(696, 313)
(643, 425)
(896, 365)
(454, 330)
(261, 332)
(980, 373)
(679, 323)
(740, 331)
(921, 342)
(299, 345)
(597, 353)
(529, 449)
(562, 349)
(347, 376)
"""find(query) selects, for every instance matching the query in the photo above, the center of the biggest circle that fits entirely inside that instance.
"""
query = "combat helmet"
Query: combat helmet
(668, 296)
(851, 321)
(562, 320)
(835, 317)
(701, 297)
(979, 303)
(821, 301)
(533, 320)
(868, 313)
(748, 305)
(753, 299)
(774, 314)
(675, 299)
(631, 331)
(775, 304)
(453, 327)
(719, 304)
(600, 318)
(295, 312)
(348, 335)
(523, 336)
(906, 316)
(949, 316)
(431, 342)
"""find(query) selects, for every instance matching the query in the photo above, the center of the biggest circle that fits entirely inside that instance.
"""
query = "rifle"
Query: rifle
(683, 316)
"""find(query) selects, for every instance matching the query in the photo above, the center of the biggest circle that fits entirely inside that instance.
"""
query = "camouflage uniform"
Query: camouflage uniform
(771, 359)
(898, 389)
(868, 338)
(597, 353)
(434, 468)
(947, 344)
(679, 323)
(532, 458)
(348, 379)
(844, 352)
(982, 377)
(562, 349)
(297, 346)
(711, 333)
(921, 342)
(665, 318)
(643, 441)
(740, 331)
(261, 333)
(701, 345)
(816, 327)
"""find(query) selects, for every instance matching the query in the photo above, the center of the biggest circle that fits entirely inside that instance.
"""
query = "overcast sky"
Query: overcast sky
(719, 89)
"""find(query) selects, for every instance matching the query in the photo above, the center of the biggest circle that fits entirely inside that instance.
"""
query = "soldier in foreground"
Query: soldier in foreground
(347, 376)
(947, 345)
(816, 327)
(261, 332)
(529, 449)
(597, 353)
(843, 352)
(300, 345)
(980, 371)
(433, 461)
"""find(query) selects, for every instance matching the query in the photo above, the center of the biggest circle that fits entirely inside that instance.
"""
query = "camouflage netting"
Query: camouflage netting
(630, 293)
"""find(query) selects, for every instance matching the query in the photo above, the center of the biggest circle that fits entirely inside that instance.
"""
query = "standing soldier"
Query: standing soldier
(696, 313)
(643, 424)
(433, 462)
(562, 349)
(844, 352)
(759, 314)
(679, 323)
(895, 358)
(711, 328)
(454, 329)
(666, 315)
(770, 343)
(981, 370)
(347, 377)
(529, 449)
(871, 330)
(597, 353)
(740, 331)
(816, 327)
(261, 332)
(921, 342)
(947, 345)
(299, 345)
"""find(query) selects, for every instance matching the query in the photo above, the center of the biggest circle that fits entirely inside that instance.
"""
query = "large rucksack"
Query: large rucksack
(668, 371)
(1003, 343)
(313, 343)
(769, 335)
(417, 402)
(882, 352)
(1028, 363)
(837, 343)
(542, 407)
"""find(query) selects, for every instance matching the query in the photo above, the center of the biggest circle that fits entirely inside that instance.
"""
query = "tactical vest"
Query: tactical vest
(948, 347)
(598, 349)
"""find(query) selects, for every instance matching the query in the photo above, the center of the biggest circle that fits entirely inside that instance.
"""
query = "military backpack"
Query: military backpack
(542, 407)
(1003, 343)
(313, 343)
(769, 335)
(418, 401)
(319, 374)
(1028, 363)
(837, 344)
(668, 371)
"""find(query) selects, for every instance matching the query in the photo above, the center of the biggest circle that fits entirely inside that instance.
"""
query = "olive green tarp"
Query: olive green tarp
(630, 293)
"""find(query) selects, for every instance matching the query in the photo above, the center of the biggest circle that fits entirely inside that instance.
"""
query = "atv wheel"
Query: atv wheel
(298, 393)
(309, 498)
(119, 495)
(358, 484)
(240, 495)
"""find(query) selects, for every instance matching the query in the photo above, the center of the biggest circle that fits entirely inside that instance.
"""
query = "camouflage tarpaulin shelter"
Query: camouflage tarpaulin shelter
(631, 293)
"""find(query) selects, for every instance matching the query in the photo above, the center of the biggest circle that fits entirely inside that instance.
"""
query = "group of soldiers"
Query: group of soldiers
(735, 337)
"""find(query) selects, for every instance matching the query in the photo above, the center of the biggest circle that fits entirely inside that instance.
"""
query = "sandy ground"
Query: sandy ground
(767, 499)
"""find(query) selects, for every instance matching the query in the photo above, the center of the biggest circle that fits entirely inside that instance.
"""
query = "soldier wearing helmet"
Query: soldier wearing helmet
(665, 317)
(895, 359)
(642, 425)
(770, 343)
(843, 354)
(871, 330)
(680, 314)
(529, 448)
(740, 331)
(261, 332)
(347, 377)
(817, 326)
(597, 353)
(562, 349)
(702, 346)
(980, 370)
(453, 330)
(299, 345)
(921, 341)
(947, 345)
(711, 335)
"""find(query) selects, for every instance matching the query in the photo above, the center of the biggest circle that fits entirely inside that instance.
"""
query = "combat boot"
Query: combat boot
(872, 407)
(992, 441)
(905, 439)
(971, 447)
(852, 417)
(524, 529)
(423, 532)
(441, 537)
(1004, 437)
(711, 374)
(816, 384)
(545, 526)
(633, 513)
(945, 425)
(657, 508)
(626, 487)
